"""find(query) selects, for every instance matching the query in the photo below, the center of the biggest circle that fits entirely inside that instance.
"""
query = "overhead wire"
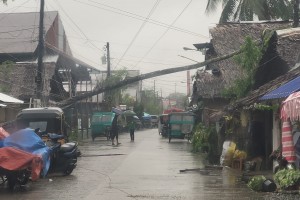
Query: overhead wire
(12, 9)
(34, 23)
(267, 61)
(140, 29)
(92, 45)
(164, 33)
(33, 58)
(47, 77)
(138, 17)
(76, 25)
(87, 39)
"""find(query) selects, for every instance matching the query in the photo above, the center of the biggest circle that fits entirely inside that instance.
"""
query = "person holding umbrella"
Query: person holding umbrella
(129, 114)
(114, 130)
(131, 127)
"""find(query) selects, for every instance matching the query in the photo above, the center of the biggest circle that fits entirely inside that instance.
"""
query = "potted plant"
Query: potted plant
(288, 179)
(256, 183)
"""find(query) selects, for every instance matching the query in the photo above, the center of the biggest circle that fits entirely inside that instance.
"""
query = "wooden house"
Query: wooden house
(19, 53)
(253, 130)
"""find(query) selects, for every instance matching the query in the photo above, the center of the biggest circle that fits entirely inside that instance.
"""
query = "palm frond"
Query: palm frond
(280, 9)
(228, 11)
(212, 5)
(246, 12)
(261, 9)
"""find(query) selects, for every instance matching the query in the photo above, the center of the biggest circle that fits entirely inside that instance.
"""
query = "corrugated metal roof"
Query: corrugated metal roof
(8, 99)
(284, 90)
(19, 31)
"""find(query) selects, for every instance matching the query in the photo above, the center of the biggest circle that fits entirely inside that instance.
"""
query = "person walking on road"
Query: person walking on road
(114, 130)
(131, 129)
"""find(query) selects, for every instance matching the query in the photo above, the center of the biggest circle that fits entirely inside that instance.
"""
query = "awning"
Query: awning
(284, 90)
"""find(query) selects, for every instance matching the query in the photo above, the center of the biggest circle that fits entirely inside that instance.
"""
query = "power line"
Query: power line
(165, 32)
(88, 40)
(140, 29)
(12, 9)
(61, 35)
(139, 17)
(76, 25)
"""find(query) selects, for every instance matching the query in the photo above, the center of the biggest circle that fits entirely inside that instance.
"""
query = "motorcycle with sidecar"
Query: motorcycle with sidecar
(180, 125)
(101, 124)
(23, 156)
(49, 123)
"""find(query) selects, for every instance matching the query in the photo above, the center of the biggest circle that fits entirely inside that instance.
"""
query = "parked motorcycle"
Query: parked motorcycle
(23, 156)
(17, 166)
(63, 156)
(20, 177)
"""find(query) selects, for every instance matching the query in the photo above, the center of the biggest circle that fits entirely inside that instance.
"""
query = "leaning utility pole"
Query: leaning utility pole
(40, 69)
(127, 81)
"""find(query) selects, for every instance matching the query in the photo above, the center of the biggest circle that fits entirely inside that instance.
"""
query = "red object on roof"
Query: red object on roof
(171, 110)
(15, 159)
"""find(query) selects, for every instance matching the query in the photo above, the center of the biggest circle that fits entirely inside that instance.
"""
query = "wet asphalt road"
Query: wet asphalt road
(145, 169)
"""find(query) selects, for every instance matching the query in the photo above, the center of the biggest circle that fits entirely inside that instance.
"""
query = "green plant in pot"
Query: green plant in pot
(256, 183)
(288, 179)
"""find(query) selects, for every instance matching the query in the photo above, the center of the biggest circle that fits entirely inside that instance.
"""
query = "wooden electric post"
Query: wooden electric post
(40, 70)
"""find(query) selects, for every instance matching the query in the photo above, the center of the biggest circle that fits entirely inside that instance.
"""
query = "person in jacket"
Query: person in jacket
(114, 130)
(132, 129)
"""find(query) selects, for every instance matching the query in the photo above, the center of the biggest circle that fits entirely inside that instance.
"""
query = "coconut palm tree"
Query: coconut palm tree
(247, 10)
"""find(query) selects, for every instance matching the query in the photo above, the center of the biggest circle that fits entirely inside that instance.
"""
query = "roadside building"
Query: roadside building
(255, 126)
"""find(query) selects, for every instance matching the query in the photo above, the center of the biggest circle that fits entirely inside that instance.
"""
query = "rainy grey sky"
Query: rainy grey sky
(145, 35)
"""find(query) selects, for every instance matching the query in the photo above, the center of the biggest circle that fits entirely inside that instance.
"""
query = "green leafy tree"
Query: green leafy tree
(248, 60)
(151, 103)
(246, 10)
(114, 96)
(127, 100)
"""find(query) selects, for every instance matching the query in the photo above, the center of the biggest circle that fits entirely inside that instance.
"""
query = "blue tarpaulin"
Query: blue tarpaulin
(27, 140)
(284, 90)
